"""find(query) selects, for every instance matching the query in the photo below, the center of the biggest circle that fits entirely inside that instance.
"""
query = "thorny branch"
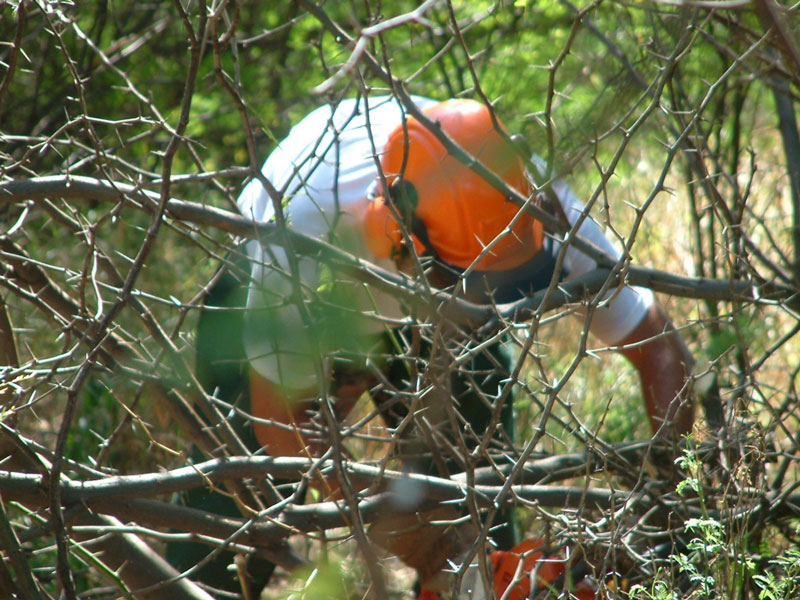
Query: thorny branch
(86, 189)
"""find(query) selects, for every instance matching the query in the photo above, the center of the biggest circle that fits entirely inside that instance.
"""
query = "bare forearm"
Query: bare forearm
(665, 365)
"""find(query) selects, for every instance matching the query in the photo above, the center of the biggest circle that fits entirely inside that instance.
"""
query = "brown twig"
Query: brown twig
(11, 64)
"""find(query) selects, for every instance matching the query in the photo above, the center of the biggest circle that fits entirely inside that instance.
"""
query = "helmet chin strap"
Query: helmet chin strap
(403, 195)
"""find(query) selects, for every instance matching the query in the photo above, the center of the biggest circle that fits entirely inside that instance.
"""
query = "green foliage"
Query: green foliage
(325, 581)
(786, 583)
(720, 562)
(657, 590)
(706, 564)
(100, 413)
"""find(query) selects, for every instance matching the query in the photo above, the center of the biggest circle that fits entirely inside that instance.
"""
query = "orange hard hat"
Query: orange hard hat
(459, 211)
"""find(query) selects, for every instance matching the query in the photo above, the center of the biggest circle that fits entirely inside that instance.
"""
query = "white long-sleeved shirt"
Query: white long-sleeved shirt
(325, 169)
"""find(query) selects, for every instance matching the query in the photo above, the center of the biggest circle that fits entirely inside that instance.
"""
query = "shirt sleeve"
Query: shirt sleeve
(621, 310)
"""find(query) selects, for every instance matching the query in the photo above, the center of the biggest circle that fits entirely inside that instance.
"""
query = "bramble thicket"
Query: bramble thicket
(127, 130)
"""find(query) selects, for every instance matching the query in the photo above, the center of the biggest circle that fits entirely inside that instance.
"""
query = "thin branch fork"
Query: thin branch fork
(364, 37)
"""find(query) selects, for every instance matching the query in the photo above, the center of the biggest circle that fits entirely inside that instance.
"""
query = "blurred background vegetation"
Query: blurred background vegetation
(676, 119)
